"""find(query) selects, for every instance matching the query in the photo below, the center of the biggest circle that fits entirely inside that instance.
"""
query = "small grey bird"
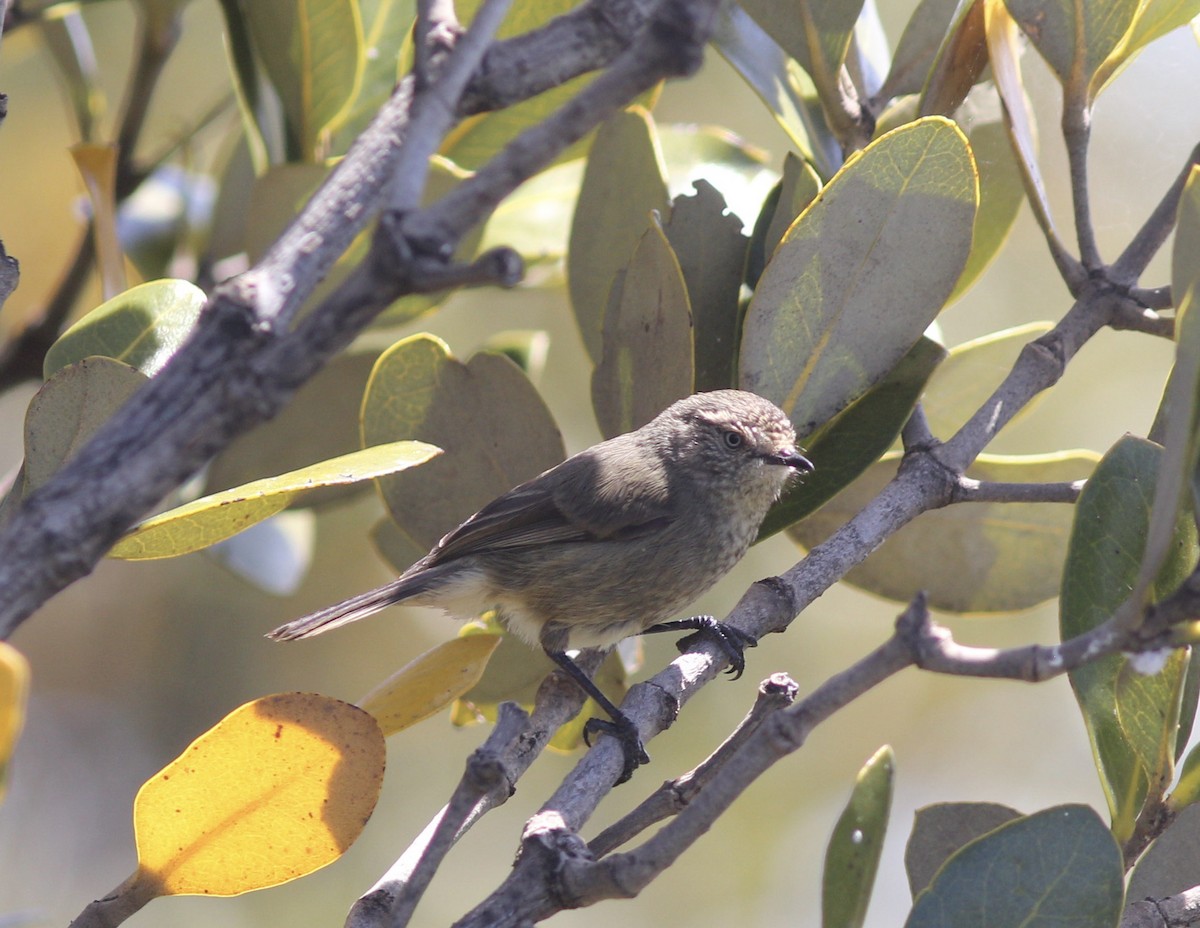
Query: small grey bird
(609, 543)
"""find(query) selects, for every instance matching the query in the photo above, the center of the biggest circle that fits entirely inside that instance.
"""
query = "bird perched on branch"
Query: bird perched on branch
(609, 543)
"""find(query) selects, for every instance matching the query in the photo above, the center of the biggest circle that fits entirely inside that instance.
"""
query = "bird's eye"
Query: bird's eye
(733, 439)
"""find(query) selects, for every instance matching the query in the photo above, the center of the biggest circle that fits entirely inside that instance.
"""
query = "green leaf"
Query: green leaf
(1074, 36)
(971, 374)
(69, 409)
(142, 327)
(1187, 790)
(386, 25)
(1169, 866)
(333, 398)
(711, 249)
(312, 52)
(493, 426)
(816, 33)
(1155, 18)
(800, 187)
(918, 47)
(779, 82)
(206, 521)
(1058, 868)
(852, 857)
(972, 557)
(854, 440)
(646, 360)
(624, 182)
(862, 273)
(1001, 191)
(941, 829)
(1131, 722)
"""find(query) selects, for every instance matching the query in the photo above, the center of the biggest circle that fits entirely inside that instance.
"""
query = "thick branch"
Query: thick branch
(243, 363)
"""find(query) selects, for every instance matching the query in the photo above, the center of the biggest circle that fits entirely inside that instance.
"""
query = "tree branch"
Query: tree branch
(1150, 237)
(243, 362)
(968, 490)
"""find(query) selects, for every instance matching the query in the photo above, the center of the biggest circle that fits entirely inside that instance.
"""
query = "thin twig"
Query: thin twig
(1149, 238)
(989, 491)
(1076, 129)
(777, 692)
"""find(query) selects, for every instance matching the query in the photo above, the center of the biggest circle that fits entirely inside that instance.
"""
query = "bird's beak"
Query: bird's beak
(793, 459)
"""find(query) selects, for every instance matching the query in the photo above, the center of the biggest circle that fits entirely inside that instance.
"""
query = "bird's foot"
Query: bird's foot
(733, 641)
(623, 729)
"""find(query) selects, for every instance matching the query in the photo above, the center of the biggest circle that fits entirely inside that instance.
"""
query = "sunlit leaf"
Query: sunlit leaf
(970, 558)
(206, 521)
(1128, 720)
(1154, 19)
(313, 54)
(941, 829)
(624, 181)
(143, 327)
(852, 442)
(852, 857)
(69, 409)
(970, 374)
(491, 422)
(1054, 868)
(800, 187)
(1001, 191)
(14, 693)
(862, 273)
(386, 25)
(279, 788)
(711, 249)
(97, 164)
(430, 682)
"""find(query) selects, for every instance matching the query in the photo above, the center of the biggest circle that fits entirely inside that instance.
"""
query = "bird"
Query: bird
(609, 543)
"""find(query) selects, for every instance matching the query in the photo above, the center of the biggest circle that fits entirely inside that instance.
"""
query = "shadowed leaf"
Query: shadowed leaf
(623, 183)
(646, 359)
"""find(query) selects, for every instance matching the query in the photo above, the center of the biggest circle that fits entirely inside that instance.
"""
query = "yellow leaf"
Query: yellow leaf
(429, 683)
(204, 522)
(279, 788)
(14, 691)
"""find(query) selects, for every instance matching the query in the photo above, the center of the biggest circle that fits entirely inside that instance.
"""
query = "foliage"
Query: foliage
(689, 264)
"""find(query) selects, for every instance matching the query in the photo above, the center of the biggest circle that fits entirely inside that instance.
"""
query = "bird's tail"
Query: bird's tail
(350, 610)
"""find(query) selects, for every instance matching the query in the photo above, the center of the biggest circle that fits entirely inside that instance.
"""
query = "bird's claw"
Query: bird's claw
(732, 640)
(623, 729)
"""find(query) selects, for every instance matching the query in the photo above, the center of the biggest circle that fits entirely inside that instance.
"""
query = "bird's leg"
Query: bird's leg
(733, 641)
(621, 727)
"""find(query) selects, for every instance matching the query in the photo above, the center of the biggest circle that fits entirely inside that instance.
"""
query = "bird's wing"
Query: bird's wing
(579, 500)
